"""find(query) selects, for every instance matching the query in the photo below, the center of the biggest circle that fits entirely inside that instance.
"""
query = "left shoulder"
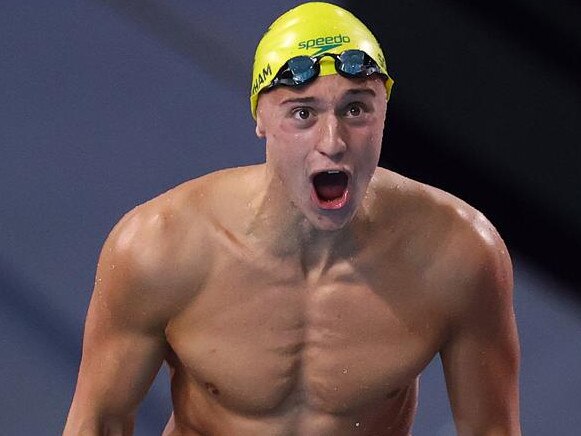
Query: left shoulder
(456, 245)
(473, 260)
(475, 247)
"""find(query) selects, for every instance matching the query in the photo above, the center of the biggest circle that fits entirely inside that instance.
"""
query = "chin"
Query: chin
(329, 221)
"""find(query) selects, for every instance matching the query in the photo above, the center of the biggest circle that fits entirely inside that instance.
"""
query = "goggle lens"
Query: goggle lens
(302, 69)
(351, 62)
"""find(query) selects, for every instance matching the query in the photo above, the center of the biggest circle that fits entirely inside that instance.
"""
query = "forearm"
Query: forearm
(511, 430)
(81, 423)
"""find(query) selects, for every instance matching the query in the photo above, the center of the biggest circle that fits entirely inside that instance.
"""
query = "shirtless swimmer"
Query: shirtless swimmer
(305, 295)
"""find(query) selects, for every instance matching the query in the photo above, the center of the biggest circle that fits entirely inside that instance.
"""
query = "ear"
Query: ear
(259, 125)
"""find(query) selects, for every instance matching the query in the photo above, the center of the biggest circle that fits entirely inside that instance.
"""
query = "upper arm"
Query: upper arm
(481, 355)
(124, 343)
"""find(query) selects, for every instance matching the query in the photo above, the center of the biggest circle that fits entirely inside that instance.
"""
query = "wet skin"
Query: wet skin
(279, 316)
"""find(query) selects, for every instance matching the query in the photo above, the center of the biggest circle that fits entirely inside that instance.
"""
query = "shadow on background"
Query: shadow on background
(532, 29)
(525, 223)
(524, 171)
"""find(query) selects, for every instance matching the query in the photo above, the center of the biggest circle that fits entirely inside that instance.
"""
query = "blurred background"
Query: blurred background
(107, 103)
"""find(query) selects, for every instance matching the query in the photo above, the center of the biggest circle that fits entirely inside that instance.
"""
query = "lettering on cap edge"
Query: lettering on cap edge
(261, 78)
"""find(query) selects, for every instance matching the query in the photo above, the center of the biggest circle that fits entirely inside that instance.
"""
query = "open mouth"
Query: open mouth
(330, 188)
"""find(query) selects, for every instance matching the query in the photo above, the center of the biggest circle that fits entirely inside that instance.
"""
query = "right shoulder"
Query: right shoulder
(155, 237)
(169, 238)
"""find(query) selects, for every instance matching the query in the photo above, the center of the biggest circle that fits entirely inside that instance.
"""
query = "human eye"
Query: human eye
(355, 110)
(302, 113)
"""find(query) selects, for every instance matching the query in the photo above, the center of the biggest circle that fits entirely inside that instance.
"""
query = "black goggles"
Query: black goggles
(303, 69)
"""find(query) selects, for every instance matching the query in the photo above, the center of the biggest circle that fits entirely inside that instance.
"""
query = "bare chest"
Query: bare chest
(258, 338)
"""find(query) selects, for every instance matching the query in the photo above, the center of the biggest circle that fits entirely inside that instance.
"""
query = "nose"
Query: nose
(331, 142)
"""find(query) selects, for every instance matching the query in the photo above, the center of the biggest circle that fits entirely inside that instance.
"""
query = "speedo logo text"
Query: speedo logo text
(324, 43)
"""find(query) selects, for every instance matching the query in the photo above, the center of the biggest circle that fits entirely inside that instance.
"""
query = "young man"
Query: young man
(303, 296)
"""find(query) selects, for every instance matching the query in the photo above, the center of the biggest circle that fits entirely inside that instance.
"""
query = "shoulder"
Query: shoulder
(459, 247)
(159, 254)
(142, 268)
(163, 238)
(151, 235)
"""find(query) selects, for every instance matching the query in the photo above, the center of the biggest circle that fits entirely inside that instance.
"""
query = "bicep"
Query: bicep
(123, 347)
(118, 365)
(481, 357)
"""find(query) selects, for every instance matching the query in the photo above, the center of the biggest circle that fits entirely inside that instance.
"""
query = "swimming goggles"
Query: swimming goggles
(303, 69)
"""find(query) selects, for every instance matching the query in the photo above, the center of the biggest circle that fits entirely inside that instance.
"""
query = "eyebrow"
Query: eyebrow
(299, 100)
(360, 91)
(349, 92)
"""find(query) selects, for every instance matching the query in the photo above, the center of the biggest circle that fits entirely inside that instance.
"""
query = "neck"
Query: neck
(279, 226)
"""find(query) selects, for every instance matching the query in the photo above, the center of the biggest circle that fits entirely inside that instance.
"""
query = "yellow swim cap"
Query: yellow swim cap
(310, 30)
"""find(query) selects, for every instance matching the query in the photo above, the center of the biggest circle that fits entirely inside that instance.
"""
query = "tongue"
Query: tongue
(330, 186)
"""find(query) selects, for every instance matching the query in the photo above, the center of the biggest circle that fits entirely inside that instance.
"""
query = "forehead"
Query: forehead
(329, 88)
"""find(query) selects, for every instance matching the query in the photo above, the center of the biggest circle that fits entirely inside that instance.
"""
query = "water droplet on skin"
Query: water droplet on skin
(357, 424)
(345, 370)
(112, 266)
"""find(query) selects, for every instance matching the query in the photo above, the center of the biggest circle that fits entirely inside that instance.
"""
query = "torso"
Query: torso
(266, 346)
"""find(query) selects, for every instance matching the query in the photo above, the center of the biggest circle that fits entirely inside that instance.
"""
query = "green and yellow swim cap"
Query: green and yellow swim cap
(310, 30)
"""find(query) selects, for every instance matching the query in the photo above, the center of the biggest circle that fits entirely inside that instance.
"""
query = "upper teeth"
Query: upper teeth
(333, 172)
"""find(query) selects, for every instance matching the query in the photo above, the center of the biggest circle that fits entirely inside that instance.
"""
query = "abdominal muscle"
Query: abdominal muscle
(291, 403)
(262, 353)
(393, 416)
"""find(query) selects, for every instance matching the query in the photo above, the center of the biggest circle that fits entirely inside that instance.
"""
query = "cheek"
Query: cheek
(284, 158)
(376, 135)
(375, 150)
(287, 147)
(369, 140)
(375, 143)
(368, 150)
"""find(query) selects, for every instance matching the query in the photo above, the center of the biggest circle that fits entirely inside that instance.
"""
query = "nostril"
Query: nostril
(332, 150)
